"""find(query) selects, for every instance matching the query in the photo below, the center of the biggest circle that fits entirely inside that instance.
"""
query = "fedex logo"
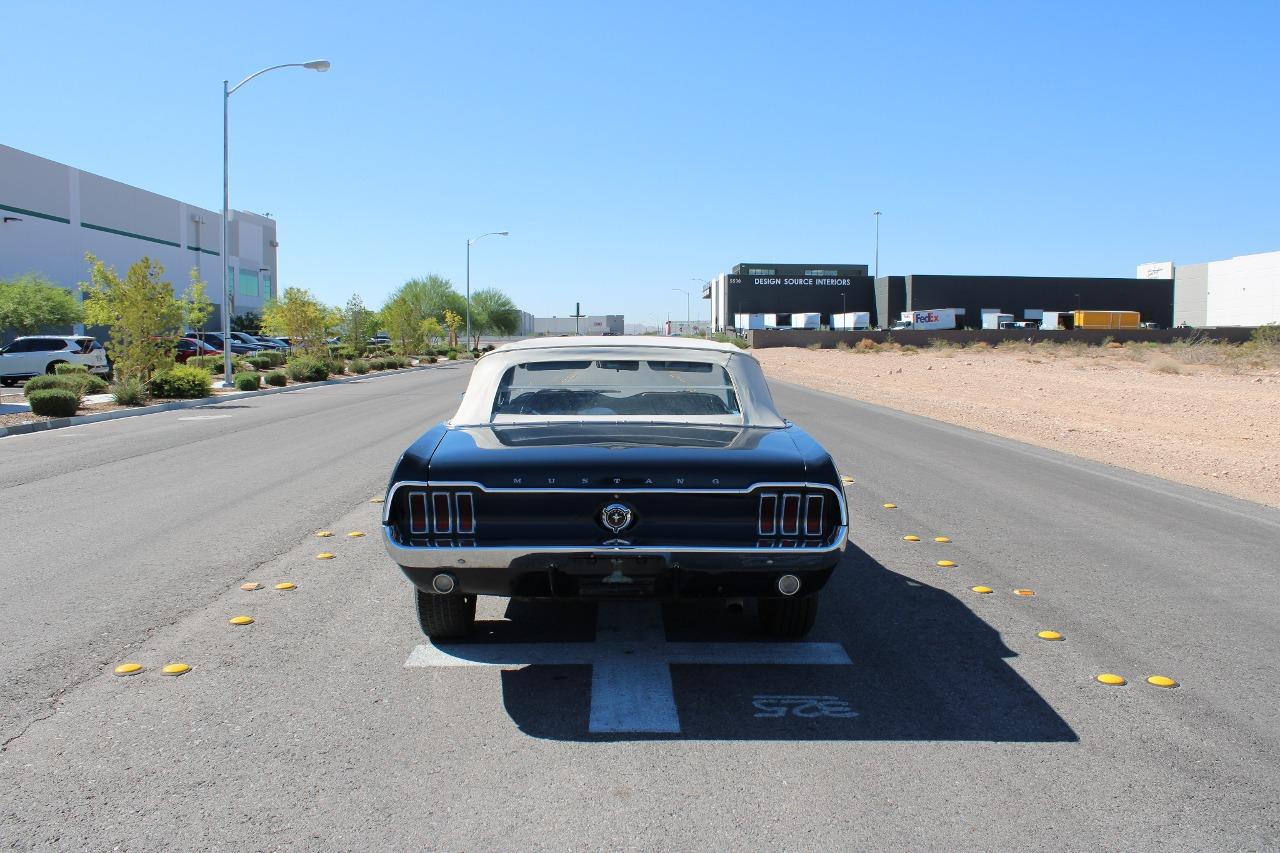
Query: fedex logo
(926, 317)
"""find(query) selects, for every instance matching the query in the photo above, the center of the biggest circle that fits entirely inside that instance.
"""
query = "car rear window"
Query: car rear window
(616, 387)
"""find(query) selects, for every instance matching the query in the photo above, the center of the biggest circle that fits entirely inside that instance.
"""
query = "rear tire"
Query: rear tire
(788, 618)
(445, 617)
(52, 368)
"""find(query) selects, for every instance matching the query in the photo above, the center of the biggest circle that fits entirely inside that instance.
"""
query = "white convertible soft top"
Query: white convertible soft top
(744, 371)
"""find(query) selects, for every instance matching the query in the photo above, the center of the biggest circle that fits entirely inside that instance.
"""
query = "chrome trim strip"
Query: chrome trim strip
(795, 529)
(773, 531)
(501, 557)
(426, 517)
(808, 508)
(466, 484)
(471, 511)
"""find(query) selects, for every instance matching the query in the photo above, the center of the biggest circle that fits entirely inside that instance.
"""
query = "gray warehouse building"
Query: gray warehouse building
(52, 214)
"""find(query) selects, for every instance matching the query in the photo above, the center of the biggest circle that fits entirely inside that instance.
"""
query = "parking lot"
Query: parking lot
(919, 712)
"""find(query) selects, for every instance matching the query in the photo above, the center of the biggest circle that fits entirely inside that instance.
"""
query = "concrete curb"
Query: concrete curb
(59, 423)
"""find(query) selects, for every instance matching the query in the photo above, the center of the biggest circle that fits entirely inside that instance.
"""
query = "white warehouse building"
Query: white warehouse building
(1240, 291)
(52, 214)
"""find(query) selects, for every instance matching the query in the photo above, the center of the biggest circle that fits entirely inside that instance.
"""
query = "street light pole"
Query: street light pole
(877, 216)
(469, 242)
(686, 308)
(227, 91)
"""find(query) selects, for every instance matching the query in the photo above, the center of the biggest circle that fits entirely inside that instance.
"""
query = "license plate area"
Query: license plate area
(611, 576)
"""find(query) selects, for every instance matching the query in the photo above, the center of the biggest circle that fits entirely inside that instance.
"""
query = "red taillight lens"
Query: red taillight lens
(768, 514)
(790, 515)
(466, 512)
(813, 515)
(441, 517)
(417, 512)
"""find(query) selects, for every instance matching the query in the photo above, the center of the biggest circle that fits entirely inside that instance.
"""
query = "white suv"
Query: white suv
(37, 354)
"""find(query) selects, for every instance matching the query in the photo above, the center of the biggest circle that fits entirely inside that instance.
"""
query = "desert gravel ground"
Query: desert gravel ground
(1208, 426)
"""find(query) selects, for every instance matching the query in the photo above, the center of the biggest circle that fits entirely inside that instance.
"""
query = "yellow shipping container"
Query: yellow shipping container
(1107, 320)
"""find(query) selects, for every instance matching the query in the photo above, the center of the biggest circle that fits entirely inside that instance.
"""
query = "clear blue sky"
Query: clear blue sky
(631, 148)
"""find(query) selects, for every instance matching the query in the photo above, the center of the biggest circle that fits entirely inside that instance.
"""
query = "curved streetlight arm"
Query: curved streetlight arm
(317, 66)
(489, 234)
(469, 242)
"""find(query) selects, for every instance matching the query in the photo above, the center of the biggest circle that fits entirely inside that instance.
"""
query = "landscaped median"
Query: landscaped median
(84, 406)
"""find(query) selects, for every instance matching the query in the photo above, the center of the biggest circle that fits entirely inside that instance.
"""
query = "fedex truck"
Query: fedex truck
(936, 318)
(853, 321)
(806, 321)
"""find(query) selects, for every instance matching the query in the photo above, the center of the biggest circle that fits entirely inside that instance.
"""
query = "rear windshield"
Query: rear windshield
(608, 387)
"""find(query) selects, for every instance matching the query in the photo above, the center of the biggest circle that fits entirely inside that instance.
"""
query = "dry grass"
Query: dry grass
(1167, 365)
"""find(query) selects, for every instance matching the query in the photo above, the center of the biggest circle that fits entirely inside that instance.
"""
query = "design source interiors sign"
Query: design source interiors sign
(767, 281)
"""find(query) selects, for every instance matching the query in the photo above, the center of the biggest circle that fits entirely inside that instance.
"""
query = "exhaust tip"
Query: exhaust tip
(788, 584)
(443, 583)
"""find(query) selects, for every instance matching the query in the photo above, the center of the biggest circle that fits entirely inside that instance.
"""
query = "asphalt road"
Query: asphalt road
(950, 726)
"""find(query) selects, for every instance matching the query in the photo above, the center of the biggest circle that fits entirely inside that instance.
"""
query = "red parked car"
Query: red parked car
(188, 347)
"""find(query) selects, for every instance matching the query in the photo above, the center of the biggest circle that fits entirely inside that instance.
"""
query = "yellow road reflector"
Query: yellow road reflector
(324, 555)
(1112, 679)
(175, 669)
(376, 500)
(911, 537)
(942, 539)
(324, 534)
(355, 534)
(1049, 635)
(1161, 681)
(251, 586)
(128, 669)
(982, 590)
(286, 585)
(847, 480)
(946, 564)
(890, 506)
(241, 620)
(1024, 592)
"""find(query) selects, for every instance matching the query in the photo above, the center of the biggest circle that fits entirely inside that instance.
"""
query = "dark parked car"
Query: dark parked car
(272, 343)
(635, 467)
(214, 339)
(187, 347)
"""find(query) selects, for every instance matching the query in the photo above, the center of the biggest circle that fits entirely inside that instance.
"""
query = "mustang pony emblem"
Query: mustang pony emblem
(616, 517)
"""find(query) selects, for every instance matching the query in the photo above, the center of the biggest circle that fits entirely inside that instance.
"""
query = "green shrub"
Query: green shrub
(453, 355)
(277, 378)
(182, 383)
(67, 367)
(346, 352)
(336, 366)
(307, 369)
(260, 362)
(44, 383)
(377, 364)
(247, 381)
(90, 384)
(1267, 335)
(273, 358)
(211, 363)
(359, 366)
(54, 402)
(130, 392)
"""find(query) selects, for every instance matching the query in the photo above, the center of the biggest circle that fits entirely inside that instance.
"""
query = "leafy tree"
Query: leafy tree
(430, 296)
(499, 314)
(300, 317)
(249, 321)
(30, 302)
(403, 324)
(355, 323)
(144, 316)
(432, 331)
(452, 321)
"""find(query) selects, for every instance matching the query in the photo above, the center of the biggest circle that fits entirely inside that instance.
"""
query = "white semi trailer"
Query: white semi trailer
(806, 321)
(853, 321)
(936, 318)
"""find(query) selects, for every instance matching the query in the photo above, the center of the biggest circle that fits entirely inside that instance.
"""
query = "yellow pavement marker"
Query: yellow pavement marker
(911, 537)
(847, 480)
(942, 539)
(324, 555)
(355, 534)
(175, 669)
(982, 590)
(1112, 679)
(376, 500)
(1049, 635)
(890, 506)
(946, 564)
(1161, 681)
(1024, 592)
(241, 620)
(286, 585)
(324, 534)
(128, 669)
(251, 586)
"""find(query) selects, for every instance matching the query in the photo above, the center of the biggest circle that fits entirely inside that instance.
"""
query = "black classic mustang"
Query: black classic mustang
(612, 468)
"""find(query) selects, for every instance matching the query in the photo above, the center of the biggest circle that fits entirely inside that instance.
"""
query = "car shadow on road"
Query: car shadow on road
(923, 666)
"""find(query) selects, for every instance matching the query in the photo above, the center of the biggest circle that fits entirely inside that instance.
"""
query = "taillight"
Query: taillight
(441, 512)
(791, 514)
